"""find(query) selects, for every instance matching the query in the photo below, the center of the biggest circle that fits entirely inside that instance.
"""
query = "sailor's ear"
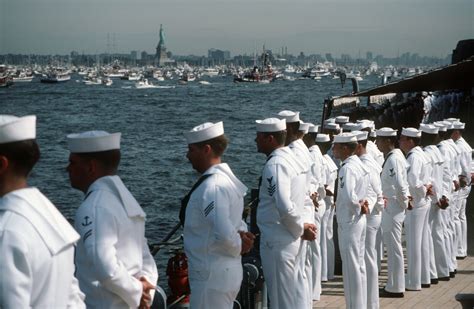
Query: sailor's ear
(4, 163)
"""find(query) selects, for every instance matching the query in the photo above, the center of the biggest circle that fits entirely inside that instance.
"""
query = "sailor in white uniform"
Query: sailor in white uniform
(396, 194)
(280, 221)
(36, 241)
(438, 259)
(114, 266)
(352, 208)
(454, 204)
(444, 265)
(317, 186)
(465, 180)
(303, 201)
(215, 235)
(378, 155)
(416, 223)
(374, 218)
(323, 141)
(372, 149)
(451, 154)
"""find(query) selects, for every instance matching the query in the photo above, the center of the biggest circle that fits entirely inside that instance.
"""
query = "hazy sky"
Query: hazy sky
(427, 27)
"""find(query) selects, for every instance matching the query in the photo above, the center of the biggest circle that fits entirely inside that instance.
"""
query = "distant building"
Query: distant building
(218, 56)
(161, 56)
(369, 56)
(329, 57)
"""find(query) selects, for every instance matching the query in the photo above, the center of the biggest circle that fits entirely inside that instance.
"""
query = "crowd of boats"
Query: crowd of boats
(143, 76)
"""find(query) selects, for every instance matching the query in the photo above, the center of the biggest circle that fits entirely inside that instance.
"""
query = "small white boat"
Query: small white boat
(55, 77)
(106, 81)
(211, 72)
(204, 82)
(23, 79)
(144, 84)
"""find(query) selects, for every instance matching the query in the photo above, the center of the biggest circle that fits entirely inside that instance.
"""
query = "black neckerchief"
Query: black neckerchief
(185, 200)
(385, 161)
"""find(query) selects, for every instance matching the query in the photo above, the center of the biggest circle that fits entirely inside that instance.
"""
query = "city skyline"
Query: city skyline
(386, 27)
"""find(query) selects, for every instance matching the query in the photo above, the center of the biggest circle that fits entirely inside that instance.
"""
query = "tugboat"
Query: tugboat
(5, 79)
(262, 75)
(56, 76)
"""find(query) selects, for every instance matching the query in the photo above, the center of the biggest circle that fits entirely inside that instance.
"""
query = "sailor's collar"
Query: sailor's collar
(115, 185)
(224, 169)
(53, 228)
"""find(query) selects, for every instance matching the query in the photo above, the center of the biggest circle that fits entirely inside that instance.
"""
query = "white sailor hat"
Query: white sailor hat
(93, 141)
(424, 93)
(322, 138)
(349, 126)
(342, 119)
(411, 132)
(289, 116)
(441, 125)
(332, 126)
(385, 132)
(304, 127)
(364, 124)
(457, 125)
(452, 119)
(16, 129)
(360, 135)
(373, 133)
(204, 132)
(330, 120)
(429, 128)
(346, 137)
(313, 128)
(270, 125)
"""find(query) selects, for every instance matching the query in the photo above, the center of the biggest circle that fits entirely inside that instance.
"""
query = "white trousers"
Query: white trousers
(450, 234)
(280, 272)
(462, 243)
(327, 269)
(303, 278)
(455, 227)
(417, 246)
(392, 223)
(324, 243)
(379, 246)
(438, 232)
(217, 288)
(352, 248)
(371, 260)
(314, 262)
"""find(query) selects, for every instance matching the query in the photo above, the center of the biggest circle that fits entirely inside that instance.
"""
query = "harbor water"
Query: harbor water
(152, 122)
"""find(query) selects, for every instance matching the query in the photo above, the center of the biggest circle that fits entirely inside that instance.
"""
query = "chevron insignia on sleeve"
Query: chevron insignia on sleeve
(271, 186)
(392, 172)
(87, 235)
(208, 208)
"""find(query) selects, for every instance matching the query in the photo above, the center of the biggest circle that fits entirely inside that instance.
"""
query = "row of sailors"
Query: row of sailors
(417, 186)
(296, 208)
(437, 105)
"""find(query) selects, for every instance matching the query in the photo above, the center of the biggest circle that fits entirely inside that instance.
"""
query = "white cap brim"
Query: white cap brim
(93, 141)
(16, 129)
(204, 132)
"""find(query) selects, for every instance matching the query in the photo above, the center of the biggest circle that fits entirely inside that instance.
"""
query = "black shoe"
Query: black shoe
(383, 293)
(455, 271)
(434, 281)
(443, 279)
(460, 257)
(410, 290)
(425, 285)
(452, 274)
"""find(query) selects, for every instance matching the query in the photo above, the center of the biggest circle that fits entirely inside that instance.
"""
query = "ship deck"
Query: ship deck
(437, 296)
